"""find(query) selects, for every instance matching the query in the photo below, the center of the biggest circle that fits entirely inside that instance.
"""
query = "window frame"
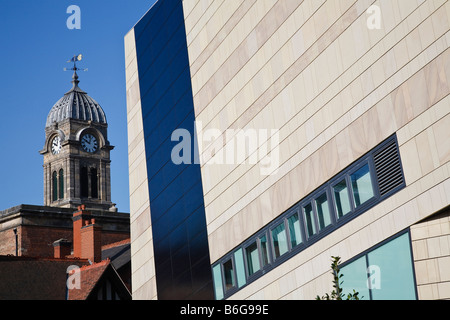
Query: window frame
(271, 229)
(355, 210)
(94, 183)
(233, 288)
(263, 267)
(369, 162)
(333, 220)
(84, 181)
(246, 258)
(365, 255)
(61, 186)
(314, 220)
(349, 196)
(55, 186)
(295, 212)
(216, 289)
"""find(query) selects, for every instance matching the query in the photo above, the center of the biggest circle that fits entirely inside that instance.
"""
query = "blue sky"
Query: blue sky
(35, 45)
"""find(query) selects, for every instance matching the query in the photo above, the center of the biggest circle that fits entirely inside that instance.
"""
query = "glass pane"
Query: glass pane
(264, 251)
(355, 278)
(61, 184)
(229, 274)
(361, 185)
(309, 220)
(240, 269)
(55, 186)
(253, 264)
(280, 244)
(94, 184)
(294, 230)
(84, 182)
(323, 211)
(218, 287)
(391, 271)
(342, 199)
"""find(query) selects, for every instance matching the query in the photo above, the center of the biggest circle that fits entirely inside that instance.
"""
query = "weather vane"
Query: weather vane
(74, 59)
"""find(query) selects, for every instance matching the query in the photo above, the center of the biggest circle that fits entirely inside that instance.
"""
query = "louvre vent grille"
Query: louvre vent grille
(388, 168)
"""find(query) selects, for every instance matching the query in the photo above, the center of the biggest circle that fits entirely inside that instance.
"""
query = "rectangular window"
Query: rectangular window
(354, 277)
(361, 185)
(309, 220)
(94, 183)
(391, 270)
(279, 238)
(323, 211)
(218, 287)
(61, 184)
(294, 230)
(84, 190)
(341, 198)
(228, 273)
(383, 273)
(252, 254)
(264, 251)
(55, 186)
(240, 269)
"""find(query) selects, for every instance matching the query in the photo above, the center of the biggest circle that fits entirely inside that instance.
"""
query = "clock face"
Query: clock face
(56, 145)
(89, 143)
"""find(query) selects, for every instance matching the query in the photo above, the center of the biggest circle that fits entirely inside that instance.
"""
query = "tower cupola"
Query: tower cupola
(77, 152)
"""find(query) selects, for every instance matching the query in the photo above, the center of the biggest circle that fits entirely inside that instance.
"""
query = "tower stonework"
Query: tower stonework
(77, 153)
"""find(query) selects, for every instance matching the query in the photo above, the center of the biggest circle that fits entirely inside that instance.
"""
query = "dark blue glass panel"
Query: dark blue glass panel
(196, 222)
(162, 251)
(182, 286)
(180, 238)
(163, 151)
(180, 261)
(201, 280)
(197, 247)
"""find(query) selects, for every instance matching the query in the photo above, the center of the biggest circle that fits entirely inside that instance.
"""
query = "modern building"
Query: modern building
(267, 136)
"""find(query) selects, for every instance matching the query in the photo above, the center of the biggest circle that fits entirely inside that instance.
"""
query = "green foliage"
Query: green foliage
(337, 294)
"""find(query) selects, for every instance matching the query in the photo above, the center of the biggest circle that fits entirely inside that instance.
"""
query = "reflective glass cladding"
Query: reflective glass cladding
(176, 196)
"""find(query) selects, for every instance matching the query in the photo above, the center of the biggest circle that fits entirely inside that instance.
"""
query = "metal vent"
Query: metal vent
(388, 168)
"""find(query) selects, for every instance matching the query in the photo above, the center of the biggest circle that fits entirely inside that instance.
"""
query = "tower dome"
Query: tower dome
(76, 104)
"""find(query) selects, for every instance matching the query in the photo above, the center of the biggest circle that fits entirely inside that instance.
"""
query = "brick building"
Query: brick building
(78, 270)
(30, 230)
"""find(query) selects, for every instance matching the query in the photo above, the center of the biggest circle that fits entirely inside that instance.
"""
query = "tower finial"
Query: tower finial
(75, 80)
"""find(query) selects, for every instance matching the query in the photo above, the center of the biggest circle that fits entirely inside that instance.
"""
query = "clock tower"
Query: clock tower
(77, 153)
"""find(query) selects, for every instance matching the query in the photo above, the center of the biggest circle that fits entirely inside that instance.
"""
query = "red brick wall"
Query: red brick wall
(8, 242)
(38, 241)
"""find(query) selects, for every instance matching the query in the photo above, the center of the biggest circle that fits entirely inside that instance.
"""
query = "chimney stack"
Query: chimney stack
(62, 248)
(91, 241)
(87, 241)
